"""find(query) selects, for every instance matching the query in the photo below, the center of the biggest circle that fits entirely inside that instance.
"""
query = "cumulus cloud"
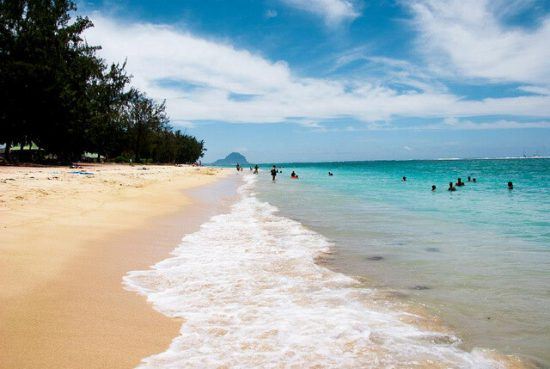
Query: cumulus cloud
(468, 37)
(333, 12)
(207, 80)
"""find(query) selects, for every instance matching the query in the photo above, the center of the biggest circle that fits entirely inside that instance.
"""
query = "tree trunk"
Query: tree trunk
(7, 151)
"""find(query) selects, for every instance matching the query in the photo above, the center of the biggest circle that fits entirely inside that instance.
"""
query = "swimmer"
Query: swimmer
(433, 188)
(510, 186)
(469, 179)
(273, 173)
(293, 175)
(451, 187)
(256, 169)
(474, 180)
(330, 174)
(404, 179)
(459, 183)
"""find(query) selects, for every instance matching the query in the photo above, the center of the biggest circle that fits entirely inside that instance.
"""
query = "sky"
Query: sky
(336, 80)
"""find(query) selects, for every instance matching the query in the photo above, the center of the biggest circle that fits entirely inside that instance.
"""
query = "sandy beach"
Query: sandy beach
(67, 241)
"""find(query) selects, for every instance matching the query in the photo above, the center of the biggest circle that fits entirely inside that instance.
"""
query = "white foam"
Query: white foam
(251, 296)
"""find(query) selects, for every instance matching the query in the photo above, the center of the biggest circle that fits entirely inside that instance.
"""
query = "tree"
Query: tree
(55, 92)
(45, 70)
(108, 99)
(145, 121)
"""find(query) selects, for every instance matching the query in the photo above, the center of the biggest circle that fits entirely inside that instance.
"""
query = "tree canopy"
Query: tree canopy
(57, 93)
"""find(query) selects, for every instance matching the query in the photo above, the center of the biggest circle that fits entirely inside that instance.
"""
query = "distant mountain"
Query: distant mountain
(232, 159)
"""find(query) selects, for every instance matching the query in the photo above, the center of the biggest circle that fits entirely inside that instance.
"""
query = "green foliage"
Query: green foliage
(57, 93)
(121, 159)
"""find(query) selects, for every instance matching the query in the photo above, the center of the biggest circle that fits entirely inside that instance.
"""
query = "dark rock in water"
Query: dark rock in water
(433, 249)
(375, 258)
(420, 287)
(397, 295)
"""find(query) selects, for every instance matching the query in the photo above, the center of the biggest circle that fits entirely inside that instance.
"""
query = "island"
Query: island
(232, 159)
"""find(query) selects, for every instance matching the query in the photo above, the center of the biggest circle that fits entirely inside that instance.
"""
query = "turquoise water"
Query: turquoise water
(479, 257)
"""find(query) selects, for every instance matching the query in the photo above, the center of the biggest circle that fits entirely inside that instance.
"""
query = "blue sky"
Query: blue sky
(316, 80)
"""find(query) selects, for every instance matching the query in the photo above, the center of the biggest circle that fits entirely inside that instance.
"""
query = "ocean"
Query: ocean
(364, 270)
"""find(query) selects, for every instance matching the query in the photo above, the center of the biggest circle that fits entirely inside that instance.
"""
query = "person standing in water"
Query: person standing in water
(273, 173)
(510, 185)
(433, 188)
(256, 169)
(238, 167)
(293, 175)
(404, 179)
(451, 187)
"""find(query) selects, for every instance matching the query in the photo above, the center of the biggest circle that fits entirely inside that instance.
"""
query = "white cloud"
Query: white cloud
(467, 37)
(184, 124)
(273, 92)
(333, 12)
(539, 90)
(390, 70)
(450, 123)
(271, 13)
(466, 124)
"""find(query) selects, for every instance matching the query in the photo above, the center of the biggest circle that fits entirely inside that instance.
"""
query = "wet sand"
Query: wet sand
(66, 244)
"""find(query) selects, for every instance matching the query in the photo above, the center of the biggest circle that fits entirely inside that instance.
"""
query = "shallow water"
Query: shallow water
(478, 257)
(252, 291)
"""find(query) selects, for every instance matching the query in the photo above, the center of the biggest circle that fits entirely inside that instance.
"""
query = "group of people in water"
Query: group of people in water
(240, 168)
(274, 171)
(460, 183)
(452, 186)
(293, 175)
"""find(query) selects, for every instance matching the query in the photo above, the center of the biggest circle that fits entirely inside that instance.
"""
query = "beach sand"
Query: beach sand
(66, 242)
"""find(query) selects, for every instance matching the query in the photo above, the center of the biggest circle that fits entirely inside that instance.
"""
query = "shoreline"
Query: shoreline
(87, 316)
(65, 252)
(251, 302)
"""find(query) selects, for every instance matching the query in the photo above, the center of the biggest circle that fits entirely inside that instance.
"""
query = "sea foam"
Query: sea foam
(250, 295)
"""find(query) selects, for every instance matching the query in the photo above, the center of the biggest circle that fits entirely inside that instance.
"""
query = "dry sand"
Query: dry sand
(66, 242)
